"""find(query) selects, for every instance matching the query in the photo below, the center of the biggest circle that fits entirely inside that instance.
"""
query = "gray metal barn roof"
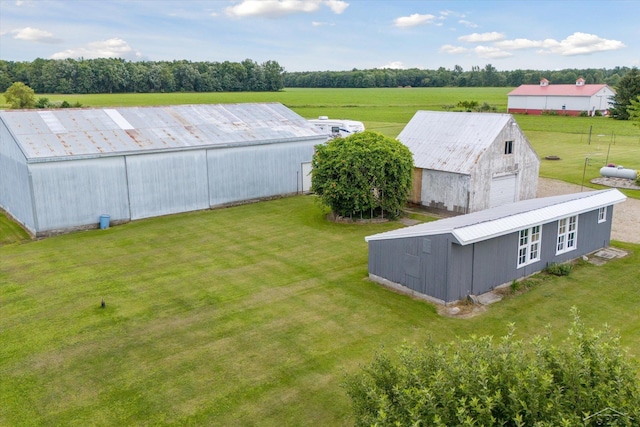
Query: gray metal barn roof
(505, 219)
(61, 134)
(451, 141)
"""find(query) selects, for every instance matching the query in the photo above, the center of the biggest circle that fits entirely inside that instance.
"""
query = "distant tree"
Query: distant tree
(362, 175)
(634, 111)
(587, 380)
(628, 89)
(20, 95)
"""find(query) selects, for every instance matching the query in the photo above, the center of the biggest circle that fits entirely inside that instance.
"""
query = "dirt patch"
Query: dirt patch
(626, 215)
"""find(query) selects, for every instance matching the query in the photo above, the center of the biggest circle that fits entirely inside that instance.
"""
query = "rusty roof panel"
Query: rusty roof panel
(62, 133)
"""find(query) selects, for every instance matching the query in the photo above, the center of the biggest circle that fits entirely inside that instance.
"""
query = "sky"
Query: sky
(337, 35)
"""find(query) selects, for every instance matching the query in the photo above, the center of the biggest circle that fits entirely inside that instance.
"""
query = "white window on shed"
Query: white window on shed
(529, 245)
(567, 234)
(602, 214)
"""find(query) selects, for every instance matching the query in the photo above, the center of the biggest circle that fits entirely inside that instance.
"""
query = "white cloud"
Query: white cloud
(488, 52)
(453, 50)
(395, 65)
(575, 44)
(413, 20)
(337, 6)
(482, 38)
(321, 24)
(581, 44)
(518, 44)
(274, 8)
(35, 35)
(112, 48)
(467, 23)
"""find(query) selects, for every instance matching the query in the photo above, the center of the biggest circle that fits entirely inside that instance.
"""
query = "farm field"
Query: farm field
(388, 111)
(250, 315)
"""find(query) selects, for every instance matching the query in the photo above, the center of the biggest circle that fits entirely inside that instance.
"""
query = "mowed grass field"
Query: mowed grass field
(252, 315)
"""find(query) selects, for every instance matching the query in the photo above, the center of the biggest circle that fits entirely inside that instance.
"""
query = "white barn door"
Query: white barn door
(503, 190)
(306, 177)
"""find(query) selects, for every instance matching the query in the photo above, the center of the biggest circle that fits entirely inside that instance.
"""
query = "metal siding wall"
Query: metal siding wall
(167, 183)
(75, 193)
(460, 272)
(15, 193)
(445, 190)
(435, 268)
(387, 260)
(495, 262)
(591, 237)
(253, 172)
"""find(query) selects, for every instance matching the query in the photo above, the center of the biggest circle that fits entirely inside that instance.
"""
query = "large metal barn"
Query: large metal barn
(62, 170)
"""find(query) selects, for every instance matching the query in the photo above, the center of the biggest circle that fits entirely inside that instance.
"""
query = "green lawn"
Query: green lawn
(242, 316)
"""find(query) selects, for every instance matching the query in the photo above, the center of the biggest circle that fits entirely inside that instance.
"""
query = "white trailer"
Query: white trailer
(337, 127)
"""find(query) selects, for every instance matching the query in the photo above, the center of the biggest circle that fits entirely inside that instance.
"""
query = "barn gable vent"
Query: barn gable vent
(118, 119)
(544, 82)
(580, 82)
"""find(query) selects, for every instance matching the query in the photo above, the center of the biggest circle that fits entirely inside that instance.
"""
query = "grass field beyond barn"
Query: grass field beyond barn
(242, 316)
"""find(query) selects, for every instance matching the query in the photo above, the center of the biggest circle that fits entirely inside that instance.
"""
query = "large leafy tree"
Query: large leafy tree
(634, 111)
(20, 95)
(362, 175)
(627, 90)
(586, 380)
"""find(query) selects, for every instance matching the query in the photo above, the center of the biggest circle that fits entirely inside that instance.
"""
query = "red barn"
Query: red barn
(563, 99)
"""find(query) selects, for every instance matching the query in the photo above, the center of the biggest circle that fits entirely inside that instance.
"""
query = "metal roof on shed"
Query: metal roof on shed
(505, 219)
(451, 141)
(61, 134)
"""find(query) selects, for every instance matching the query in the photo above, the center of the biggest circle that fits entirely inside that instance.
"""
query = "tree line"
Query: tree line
(112, 75)
(488, 76)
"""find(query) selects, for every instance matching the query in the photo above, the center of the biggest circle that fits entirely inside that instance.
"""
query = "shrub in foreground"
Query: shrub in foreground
(587, 380)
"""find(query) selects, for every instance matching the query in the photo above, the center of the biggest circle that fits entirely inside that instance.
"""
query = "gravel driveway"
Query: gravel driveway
(626, 215)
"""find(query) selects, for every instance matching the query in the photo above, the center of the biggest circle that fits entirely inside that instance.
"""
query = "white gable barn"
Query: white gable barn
(67, 169)
(466, 162)
(570, 100)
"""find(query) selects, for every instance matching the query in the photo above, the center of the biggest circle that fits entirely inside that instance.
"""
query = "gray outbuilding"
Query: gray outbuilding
(447, 260)
(64, 169)
(467, 162)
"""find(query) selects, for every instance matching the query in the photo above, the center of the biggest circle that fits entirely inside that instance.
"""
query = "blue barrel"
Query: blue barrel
(104, 221)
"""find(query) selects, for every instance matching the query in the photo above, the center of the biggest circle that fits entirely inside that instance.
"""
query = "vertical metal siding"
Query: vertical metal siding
(167, 183)
(75, 193)
(445, 190)
(245, 173)
(15, 193)
(387, 260)
(460, 273)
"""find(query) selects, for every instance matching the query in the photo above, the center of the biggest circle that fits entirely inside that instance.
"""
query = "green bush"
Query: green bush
(586, 380)
(558, 269)
(365, 174)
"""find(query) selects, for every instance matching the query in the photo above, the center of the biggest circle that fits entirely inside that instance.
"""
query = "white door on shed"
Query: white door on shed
(306, 177)
(503, 190)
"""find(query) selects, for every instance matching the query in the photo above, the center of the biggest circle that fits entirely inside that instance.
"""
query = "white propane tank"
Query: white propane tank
(618, 172)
